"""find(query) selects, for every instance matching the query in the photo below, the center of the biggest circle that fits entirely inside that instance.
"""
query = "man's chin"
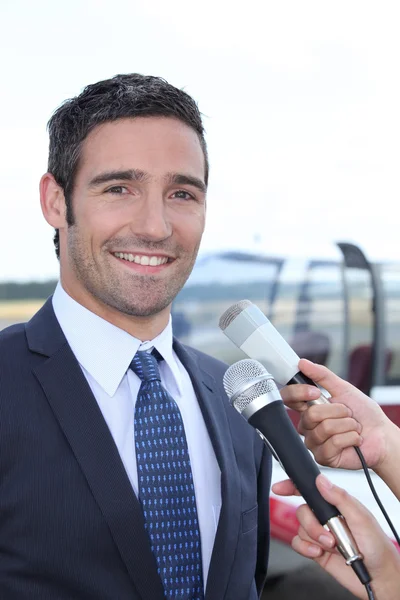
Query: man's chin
(141, 309)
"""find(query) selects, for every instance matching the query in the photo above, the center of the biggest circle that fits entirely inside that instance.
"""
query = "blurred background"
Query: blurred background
(301, 109)
(300, 102)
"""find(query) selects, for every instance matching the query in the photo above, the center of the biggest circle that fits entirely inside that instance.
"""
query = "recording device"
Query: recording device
(253, 393)
(249, 329)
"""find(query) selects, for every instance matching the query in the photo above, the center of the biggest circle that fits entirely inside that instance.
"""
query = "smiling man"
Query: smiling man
(124, 471)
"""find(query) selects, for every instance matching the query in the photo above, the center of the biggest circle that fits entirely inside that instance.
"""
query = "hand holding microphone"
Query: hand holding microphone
(254, 394)
(313, 541)
(352, 419)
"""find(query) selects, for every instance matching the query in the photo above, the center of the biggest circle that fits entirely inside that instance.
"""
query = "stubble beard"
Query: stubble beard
(131, 294)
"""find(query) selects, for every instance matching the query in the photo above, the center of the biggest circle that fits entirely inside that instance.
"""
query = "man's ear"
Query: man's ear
(52, 201)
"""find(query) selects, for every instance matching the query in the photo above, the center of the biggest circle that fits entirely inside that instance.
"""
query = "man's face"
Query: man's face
(139, 214)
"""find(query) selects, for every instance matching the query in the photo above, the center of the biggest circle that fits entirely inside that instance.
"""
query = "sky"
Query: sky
(300, 102)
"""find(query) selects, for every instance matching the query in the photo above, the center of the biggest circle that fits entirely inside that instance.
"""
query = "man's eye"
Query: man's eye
(183, 195)
(117, 189)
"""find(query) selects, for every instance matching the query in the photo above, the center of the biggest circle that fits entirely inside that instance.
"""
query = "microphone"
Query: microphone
(254, 394)
(250, 330)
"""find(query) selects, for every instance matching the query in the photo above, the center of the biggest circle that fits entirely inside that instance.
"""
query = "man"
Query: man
(125, 474)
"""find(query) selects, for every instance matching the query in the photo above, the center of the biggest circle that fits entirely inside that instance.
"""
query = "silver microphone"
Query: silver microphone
(250, 330)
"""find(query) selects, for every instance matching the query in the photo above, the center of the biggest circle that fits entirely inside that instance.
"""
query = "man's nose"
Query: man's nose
(151, 220)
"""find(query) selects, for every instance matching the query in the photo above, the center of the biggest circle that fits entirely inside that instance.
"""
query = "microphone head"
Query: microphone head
(232, 312)
(251, 331)
(245, 381)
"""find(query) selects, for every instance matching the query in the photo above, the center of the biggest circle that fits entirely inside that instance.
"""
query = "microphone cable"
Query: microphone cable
(370, 593)
(375, 494)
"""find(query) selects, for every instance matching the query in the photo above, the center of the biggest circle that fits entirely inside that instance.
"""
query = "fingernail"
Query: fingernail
(314, 392)
(314, 550)
(326, 541)
(325, 482)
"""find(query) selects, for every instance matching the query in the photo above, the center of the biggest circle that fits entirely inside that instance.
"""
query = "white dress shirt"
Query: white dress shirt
(104, 353)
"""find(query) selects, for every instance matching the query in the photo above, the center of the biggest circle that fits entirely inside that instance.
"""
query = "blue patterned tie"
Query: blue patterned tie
(166, 488)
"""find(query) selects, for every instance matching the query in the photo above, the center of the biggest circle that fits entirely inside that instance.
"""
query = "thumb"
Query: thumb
(285, 488)
(351, 509)
(324, 377)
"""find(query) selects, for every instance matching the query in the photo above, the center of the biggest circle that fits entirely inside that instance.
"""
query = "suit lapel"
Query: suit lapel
(83, 425)
(211, 399)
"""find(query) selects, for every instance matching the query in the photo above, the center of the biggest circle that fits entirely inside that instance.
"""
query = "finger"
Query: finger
(297, 396)
(354, 512)
(327, 542)
(311, 529)
(325, 378)
(322, 412)
(330, 451)
(305, 548)
(327, 428)
(285, 488)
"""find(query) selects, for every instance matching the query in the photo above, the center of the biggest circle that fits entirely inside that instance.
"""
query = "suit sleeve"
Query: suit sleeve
(263, 490)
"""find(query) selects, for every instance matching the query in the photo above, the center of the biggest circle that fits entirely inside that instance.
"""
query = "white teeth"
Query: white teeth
(153, 261)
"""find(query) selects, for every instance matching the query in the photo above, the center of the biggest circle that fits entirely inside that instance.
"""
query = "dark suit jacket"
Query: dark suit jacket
(71, 527)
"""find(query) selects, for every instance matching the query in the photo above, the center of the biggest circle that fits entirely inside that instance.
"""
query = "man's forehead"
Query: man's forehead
(131, 126)
(166, 144)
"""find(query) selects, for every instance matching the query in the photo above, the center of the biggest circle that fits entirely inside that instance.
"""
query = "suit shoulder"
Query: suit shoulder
(208, 362)
(11, 336)
(12, 351)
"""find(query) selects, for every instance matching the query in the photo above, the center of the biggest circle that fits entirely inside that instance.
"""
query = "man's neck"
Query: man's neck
(142, 328)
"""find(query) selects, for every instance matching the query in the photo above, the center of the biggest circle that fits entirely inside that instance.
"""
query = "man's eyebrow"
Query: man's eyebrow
(182, 179)
(129, 175)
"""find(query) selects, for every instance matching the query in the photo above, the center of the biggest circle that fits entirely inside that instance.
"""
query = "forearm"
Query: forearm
(388, 469)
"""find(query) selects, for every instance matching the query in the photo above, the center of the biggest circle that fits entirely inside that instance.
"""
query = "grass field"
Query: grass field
(19, 310)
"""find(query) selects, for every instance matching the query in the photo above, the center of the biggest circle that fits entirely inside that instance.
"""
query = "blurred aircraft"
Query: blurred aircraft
(342, 311)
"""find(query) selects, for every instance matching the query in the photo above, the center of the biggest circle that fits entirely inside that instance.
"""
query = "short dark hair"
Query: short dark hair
(123, 96)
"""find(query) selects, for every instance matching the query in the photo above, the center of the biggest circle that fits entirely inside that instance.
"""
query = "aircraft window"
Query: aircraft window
(319, 329)
(217, 282)
(391, 289)
(360, 334)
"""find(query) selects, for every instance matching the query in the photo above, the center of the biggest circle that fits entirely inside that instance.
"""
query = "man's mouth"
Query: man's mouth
(142, 259)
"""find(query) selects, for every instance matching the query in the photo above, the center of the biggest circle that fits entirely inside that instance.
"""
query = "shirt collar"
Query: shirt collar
(101, 348)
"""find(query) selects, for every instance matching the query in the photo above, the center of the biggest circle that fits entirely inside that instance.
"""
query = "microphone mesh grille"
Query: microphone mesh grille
(240, 374)
(231, 313)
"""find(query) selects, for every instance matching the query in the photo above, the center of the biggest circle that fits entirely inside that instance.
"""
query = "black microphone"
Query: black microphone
(250, 330)
(254, 394)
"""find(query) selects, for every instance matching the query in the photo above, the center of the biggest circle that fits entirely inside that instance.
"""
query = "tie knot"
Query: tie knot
(145, 365)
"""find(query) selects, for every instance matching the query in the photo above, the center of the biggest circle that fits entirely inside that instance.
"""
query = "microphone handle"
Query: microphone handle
(301, 378)
(274, 424)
